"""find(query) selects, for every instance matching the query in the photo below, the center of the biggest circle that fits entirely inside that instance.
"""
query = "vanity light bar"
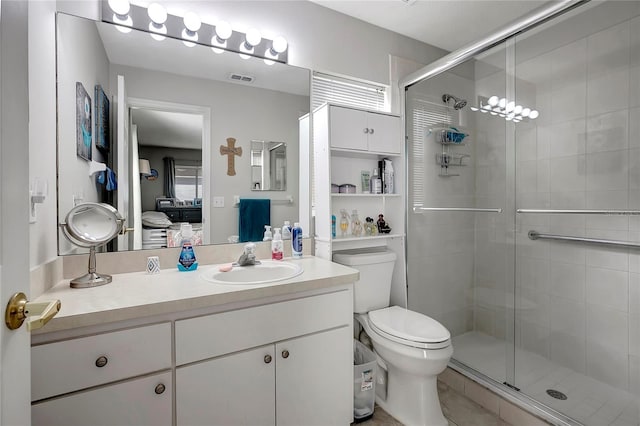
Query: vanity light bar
(138, 18)
(504, 108)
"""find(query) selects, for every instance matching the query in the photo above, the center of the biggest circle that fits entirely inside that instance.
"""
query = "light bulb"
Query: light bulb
(223, 30)
(534, 114)
(473, 108)
(526, 112)
(157, 13)
(120, 7)
(189, 35)
(502, 103)
(192, 22)
(510, 106)
(123, 23)
(508, 118)
(494, 113)
(217, 50)
(484, 111)
(253, 37)
(156, 31)
(487, 107)
(279, 44)
(518, 109)
(493, 101)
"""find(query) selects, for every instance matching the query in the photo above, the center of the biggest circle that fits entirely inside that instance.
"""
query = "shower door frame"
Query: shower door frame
(502, 35)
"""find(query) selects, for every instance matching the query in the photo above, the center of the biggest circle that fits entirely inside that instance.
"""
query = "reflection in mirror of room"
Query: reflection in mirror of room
(168, 73)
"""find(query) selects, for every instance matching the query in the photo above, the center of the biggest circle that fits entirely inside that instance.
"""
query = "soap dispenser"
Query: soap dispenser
(277, 246)
(286, 230)
(267, 233)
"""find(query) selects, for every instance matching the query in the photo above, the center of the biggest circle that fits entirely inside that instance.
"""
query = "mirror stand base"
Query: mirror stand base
(90, 280)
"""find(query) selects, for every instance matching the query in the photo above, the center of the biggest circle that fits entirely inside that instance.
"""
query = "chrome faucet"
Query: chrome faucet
(248, 256)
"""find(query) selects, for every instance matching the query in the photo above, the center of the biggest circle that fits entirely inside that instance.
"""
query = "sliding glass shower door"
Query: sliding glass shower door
(504, 190)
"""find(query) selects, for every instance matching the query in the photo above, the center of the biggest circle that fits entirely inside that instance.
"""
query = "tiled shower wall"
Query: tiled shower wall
(578, 304)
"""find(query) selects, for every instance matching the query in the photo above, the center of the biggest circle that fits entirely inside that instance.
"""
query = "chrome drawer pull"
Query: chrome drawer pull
(160, 389)
(101, 361)
(285, 354)
(267, 359)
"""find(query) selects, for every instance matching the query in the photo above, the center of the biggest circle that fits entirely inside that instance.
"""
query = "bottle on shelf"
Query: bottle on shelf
(344, 222)
(356, 225)
(376, 182)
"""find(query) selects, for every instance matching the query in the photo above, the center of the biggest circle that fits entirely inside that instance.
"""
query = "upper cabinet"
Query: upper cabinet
(359, 130)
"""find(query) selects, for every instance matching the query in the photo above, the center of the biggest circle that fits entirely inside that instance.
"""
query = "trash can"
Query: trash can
(364, 382)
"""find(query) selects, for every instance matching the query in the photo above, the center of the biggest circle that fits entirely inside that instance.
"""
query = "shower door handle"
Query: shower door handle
(455, 209)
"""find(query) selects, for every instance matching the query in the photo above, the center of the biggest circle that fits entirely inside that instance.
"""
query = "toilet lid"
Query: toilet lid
(408, 325)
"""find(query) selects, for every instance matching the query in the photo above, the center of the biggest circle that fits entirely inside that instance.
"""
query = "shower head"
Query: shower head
(458, 103)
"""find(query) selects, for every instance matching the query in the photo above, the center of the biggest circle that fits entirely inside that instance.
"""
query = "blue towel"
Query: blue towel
(254, 215)
(108, 179)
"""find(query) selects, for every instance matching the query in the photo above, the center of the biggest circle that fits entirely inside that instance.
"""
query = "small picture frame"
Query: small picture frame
(83, 123)
(103, 134)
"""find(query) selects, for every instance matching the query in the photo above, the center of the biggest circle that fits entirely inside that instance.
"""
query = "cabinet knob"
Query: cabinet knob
(101, 361)
(267, 359)
(160, 389)
(285, 354)
(366, 130)
(371, 131)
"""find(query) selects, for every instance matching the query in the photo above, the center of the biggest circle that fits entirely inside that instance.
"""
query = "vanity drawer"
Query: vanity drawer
(213, 335)
(143, 401)
(66, 366)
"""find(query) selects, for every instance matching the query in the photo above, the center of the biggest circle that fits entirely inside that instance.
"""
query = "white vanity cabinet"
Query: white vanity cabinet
(302, 375)
(360, 130)
(94, 380)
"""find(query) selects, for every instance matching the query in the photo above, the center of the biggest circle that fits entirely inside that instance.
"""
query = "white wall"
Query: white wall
(319, 38)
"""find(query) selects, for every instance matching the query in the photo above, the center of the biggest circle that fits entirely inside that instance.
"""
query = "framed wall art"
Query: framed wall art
(83, 122)
(102, 119)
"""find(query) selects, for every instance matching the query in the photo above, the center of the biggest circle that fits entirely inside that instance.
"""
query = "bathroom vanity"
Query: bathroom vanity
(175, 349)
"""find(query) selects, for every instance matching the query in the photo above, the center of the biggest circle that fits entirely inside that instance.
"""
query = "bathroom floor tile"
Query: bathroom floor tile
(458, 409)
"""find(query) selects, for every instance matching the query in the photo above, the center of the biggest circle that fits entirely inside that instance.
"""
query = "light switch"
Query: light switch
(218, 202)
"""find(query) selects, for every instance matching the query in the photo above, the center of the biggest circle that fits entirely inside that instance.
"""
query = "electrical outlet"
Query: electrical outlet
(218, 202)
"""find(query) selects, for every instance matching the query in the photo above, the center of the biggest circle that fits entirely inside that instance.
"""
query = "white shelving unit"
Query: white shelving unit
(346, 142)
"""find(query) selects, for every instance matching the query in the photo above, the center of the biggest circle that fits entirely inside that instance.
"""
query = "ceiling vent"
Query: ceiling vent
(241, 78)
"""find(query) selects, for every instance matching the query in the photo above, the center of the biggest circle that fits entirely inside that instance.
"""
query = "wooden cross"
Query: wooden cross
(231, 151)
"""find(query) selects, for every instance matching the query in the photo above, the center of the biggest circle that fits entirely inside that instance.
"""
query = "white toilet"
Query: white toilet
(414, 347)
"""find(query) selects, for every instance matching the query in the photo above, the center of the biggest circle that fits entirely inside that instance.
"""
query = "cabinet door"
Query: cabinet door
(386, 135)
(314, 380)
(236, 389)
(145, 401)
(348, 128)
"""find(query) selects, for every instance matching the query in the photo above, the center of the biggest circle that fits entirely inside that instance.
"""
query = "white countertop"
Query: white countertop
(138, 294)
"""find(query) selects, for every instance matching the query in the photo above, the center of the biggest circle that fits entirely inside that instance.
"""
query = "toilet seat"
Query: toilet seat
(409, 328)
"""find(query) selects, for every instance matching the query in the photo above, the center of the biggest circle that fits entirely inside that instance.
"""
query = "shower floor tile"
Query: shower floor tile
(589, 401)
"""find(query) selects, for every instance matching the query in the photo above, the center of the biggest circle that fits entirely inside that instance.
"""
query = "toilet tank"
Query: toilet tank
(373, 290)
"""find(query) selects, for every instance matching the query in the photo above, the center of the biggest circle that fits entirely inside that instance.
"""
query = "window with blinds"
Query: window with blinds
(188, 182)
(423, 115)
(338, 90)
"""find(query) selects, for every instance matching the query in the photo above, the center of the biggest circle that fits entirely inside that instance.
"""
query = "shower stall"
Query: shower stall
(523, 159)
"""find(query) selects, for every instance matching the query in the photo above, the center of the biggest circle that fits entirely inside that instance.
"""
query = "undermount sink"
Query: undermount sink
(267, 271)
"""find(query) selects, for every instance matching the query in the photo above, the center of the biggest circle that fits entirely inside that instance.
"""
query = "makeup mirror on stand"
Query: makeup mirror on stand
(91, 225)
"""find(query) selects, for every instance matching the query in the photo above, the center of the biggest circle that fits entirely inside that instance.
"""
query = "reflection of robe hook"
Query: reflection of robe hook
(95, 167)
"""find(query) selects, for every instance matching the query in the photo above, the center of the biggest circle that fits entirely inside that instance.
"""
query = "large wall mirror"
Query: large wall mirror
(143, 124)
